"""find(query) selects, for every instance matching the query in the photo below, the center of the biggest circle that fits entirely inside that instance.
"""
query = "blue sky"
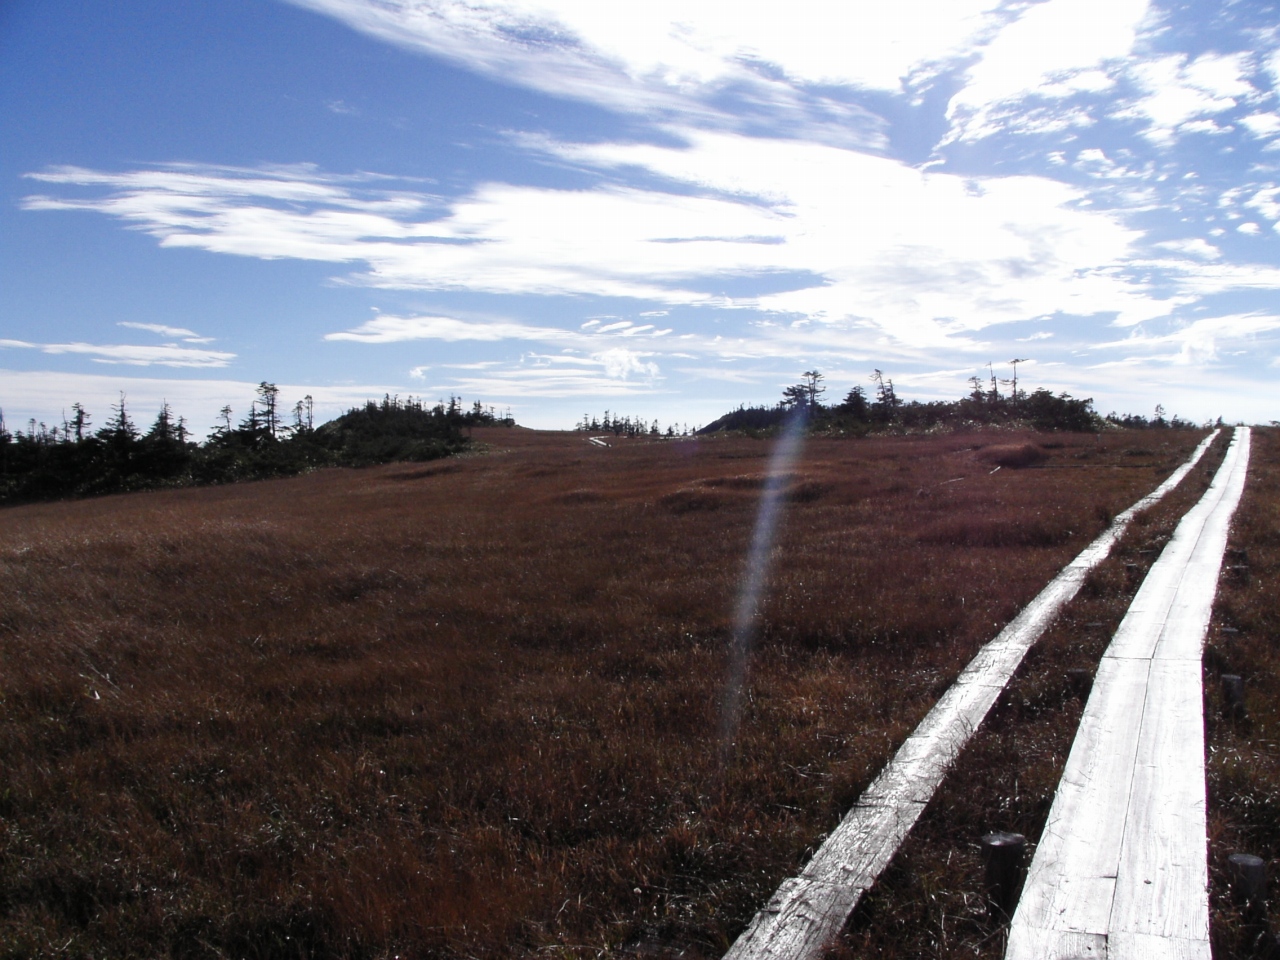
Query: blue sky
(663, 209)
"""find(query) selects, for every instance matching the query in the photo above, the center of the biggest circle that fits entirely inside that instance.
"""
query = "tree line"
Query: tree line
(881, 409)
(74, 460)
(627, 426)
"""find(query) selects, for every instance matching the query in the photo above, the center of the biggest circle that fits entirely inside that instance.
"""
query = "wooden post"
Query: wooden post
(1003, 855)
(1239, 574)
(1247, 875)
(1233, 697)
(1080, 680)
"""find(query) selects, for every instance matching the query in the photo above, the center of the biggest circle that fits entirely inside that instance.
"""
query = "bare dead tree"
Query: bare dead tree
(1014, 362)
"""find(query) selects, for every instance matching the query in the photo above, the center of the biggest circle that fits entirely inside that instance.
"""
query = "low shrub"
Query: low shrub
(1012, 454)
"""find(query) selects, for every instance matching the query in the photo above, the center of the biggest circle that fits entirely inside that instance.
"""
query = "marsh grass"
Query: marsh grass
(470, 710)
(931, 901)
(1244, 753)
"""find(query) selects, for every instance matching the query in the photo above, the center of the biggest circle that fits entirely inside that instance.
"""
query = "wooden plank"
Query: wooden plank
(1053, 945)
(855, 855)
(1143, 946)
(808, 911)
(1162, 885)
(1137, 768)
(1071, 883)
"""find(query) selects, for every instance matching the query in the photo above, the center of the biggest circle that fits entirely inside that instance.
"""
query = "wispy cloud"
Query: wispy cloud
(160, 328)
(672, 45)
(391, 329)
(759, 213)
(1052, 51)
(612, 373)
(924, 257)
(1180, 94)
(708, 63)
(165, 355)
(182, 333)
(1199, 342)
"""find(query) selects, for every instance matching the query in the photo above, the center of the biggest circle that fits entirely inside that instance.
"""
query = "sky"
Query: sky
(663, 209)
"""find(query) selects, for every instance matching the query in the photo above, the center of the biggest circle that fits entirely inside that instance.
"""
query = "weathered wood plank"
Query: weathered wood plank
(1055, 945)
(1137, 768)
(1071, 883)
(1162, 884)
(807, 911)
(1145, 946)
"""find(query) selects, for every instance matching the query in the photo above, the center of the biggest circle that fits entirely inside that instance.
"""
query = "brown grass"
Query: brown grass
(931, 900)
(1012, 454)
(1244, 756)
(470, 710)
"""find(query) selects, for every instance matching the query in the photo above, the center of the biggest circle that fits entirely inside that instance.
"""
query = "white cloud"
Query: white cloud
(1181, 93)
(1203, 126)
(163, 330)
(922, 255)
(620, 364)
(1261, 125)
(1195, 247)
(864, 241)
(1222, 75)
(1199, 280)
(1266, 201)
(612, 373)
(1271, 62)
(811, 244)
(166, 355)
(1095, 162)
(673, 57)
(385, 328)
(1053, 50)
(1200, 341)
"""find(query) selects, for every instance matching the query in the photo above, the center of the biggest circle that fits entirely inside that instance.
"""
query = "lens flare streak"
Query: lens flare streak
(747, 608)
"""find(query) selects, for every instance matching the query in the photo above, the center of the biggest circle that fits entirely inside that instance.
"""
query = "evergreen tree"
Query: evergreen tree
(79, 421)
(855, 404)
(269, 418)
(164, 429)
(119, 429)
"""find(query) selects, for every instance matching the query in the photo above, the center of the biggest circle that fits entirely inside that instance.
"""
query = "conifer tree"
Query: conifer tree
(79, 421)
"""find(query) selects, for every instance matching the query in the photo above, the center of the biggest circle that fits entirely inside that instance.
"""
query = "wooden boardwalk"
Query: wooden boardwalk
(1121, 870)
(809, 910)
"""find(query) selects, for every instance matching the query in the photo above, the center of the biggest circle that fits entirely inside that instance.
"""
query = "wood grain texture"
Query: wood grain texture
(1123, 854)
(808, 911)
(1162, 881)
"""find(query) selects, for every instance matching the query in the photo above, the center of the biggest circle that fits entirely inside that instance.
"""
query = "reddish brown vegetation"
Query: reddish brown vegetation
(1244, 757)
(931, 901)
(1012, 454)
(471, 709)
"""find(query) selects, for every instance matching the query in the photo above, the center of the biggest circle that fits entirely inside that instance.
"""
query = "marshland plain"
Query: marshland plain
(472, 707)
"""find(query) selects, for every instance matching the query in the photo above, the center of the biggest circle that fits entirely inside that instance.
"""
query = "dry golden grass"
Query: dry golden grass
(470, 709)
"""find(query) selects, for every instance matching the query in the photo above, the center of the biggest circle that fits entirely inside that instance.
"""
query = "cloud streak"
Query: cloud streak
(929, 183)
(925, 258)
(708, 63)
(166, 355)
